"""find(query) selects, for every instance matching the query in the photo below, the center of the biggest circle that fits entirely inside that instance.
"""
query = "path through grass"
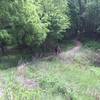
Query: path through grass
(79, 80)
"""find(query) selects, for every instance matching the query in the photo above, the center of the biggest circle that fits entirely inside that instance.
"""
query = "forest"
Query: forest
(37, 23)
(49, 49)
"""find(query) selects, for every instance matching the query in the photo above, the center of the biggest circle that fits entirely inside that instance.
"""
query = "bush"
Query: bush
(5, 36)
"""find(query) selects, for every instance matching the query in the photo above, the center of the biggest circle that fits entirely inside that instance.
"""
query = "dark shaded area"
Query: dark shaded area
(13, 59)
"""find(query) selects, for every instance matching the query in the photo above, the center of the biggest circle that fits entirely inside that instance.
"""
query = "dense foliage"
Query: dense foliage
(85, 15)
(31, 22)
(43, 22)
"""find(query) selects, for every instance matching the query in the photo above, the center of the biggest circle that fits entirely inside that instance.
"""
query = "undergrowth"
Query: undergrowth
(57, 80)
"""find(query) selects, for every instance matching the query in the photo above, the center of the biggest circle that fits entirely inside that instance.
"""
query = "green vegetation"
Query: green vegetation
(49, 49)
(78, 80)
(31, 22)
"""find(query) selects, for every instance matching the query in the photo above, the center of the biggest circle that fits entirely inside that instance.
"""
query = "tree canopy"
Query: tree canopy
(35, 22)
(85, 16)
(31, 22)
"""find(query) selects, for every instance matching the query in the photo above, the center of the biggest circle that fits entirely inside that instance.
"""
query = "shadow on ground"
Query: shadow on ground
(13, 60)
(78, 54)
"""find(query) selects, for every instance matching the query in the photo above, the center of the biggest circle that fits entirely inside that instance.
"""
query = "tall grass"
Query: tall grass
(79, 80)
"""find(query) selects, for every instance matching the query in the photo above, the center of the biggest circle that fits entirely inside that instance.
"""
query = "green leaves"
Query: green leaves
(33, 21)
(4, 36)
(58, 20)
(27, 23)
(85, 16)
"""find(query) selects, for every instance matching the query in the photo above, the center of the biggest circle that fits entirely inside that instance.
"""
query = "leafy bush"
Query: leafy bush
(92, 45)
(31, 22)
(4, 36)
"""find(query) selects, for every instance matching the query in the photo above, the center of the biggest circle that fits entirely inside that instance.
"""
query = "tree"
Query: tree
(28, 28)
(85, 16)
(31, 22)
(56, 13)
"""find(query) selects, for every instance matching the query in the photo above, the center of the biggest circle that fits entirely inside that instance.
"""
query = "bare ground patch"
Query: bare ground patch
(23, 80)
(68, 56)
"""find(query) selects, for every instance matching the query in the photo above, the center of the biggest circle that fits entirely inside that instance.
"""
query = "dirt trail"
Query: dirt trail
(66, 57)
(69, 55)
(22, 77)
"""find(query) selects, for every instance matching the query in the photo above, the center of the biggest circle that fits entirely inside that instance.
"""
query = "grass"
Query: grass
(57, 81)
(94, 45)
